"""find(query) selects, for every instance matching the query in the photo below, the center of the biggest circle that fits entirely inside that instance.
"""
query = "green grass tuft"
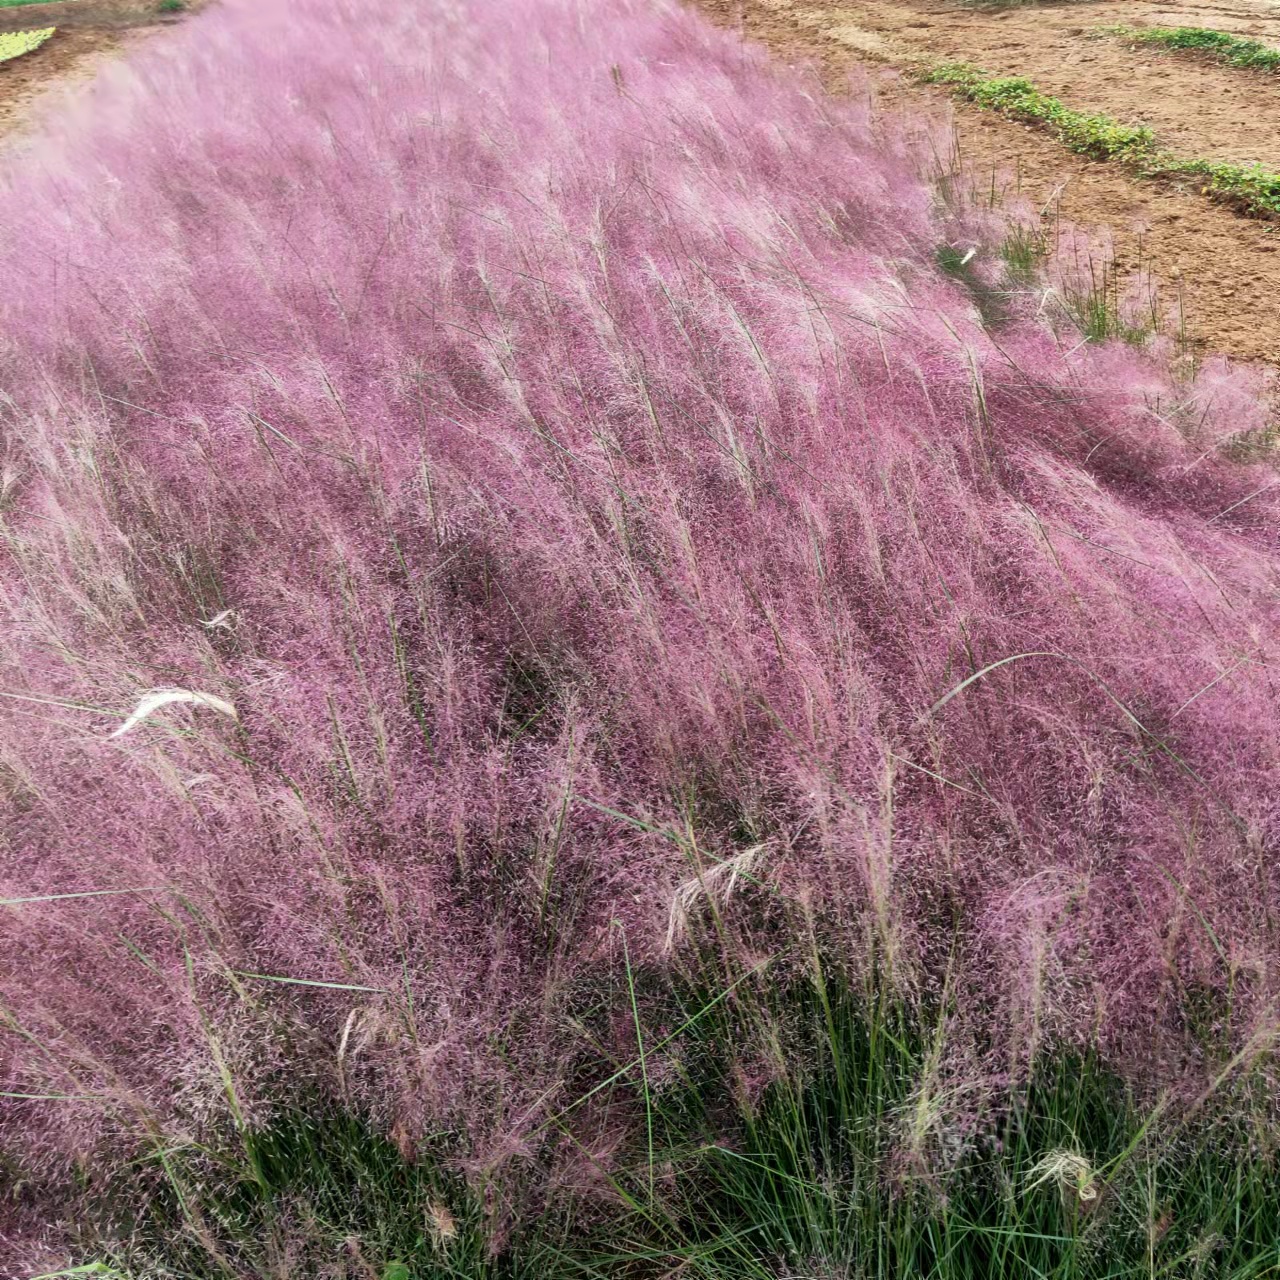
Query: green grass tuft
(317, 1177)
(1023, 250)
(960, 266)
(863, 1148)
(841, 1171)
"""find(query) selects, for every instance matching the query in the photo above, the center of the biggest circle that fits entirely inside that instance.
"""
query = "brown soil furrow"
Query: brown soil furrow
(1225, 268)
(81, 13)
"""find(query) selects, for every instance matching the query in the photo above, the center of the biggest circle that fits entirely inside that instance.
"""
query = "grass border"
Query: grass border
(1220, 46)
(1252, 191)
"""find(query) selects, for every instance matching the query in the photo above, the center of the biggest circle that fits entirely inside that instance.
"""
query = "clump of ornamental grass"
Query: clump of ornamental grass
(577, 573)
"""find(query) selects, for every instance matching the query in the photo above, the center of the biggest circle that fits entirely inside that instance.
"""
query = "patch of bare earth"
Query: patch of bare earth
(1225, 268)
(87, 32)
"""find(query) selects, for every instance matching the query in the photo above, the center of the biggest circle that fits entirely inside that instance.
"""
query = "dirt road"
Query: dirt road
(1226, 268)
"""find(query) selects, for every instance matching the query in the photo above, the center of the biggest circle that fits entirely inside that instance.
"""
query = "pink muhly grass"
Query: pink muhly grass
(544, 435)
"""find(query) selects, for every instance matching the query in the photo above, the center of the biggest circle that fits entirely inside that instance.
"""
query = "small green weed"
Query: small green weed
(172, 6)
(1237, 51)
(1023, 250)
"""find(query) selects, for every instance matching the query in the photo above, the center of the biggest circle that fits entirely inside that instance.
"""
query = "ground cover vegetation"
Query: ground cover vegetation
(1252, 190)
(1236, 51)
(598, 678)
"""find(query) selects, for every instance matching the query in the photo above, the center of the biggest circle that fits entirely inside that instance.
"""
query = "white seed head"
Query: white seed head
(1071, 1171)
(715, 883)
(157, 698)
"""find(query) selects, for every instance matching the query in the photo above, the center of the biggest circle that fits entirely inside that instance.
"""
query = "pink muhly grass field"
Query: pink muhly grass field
(545, 431)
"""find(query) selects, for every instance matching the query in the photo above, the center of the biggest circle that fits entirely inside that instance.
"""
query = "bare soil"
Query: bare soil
(96, 14)
(87, 31)
(1225, 268)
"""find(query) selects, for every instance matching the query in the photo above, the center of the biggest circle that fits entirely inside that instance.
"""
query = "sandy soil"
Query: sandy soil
(1225, 268)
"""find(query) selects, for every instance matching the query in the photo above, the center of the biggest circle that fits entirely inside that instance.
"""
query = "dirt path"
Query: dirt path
(1226, 268)
(87, 31)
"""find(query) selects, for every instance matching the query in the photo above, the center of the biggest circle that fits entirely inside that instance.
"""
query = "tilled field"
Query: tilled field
(1226, 268)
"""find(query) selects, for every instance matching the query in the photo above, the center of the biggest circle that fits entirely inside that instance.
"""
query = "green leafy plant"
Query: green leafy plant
(1251, 190)
(1093, 135)
(1237, 51)
(13, 44)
